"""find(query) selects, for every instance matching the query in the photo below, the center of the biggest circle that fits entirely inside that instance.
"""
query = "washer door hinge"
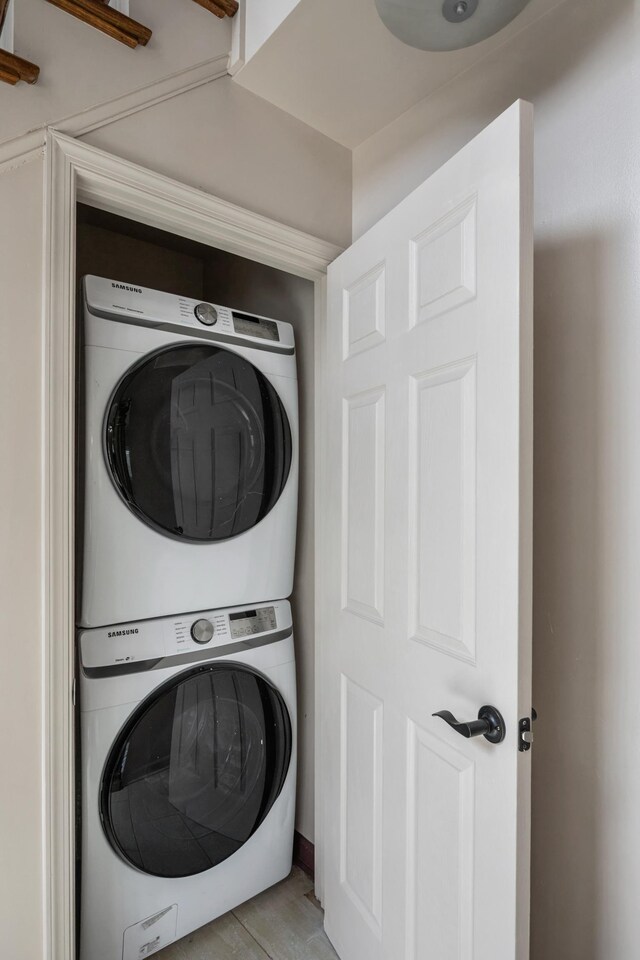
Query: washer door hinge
(525, 727)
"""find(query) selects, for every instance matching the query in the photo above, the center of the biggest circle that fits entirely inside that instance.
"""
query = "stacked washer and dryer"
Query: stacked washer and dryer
(185, 644)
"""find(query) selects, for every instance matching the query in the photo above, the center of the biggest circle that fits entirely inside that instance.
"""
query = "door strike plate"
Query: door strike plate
(525, 727)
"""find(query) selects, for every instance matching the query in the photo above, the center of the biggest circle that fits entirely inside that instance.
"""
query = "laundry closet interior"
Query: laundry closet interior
(143, 258)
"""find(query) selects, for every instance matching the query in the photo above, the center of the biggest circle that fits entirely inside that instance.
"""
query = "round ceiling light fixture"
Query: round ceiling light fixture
(448, 25)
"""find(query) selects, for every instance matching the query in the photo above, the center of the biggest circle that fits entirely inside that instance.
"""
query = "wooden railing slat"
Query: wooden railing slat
(12, 65)
(212, 7)
(96, 13)
(4, 7)
(105, 18)
(220, 8)
(8, 76)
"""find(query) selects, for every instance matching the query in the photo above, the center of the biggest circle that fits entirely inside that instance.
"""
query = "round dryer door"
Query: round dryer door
(198, 442)
(195, 770)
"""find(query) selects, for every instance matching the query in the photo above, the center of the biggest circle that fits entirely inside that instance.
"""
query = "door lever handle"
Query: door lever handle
(490, 724)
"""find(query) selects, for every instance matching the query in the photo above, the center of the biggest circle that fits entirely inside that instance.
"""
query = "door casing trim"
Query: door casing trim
(77, 172)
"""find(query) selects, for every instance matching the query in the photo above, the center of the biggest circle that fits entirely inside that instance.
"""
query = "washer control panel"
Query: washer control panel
(144, 640)
(218, 627)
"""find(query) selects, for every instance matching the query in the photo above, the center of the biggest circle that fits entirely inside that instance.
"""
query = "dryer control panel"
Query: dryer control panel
(141, 306)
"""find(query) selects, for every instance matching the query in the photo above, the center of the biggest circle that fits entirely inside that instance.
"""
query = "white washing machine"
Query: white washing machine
(188, 733)
(189, 455)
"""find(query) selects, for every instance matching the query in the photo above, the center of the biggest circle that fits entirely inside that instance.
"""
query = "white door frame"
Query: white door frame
(76, 172)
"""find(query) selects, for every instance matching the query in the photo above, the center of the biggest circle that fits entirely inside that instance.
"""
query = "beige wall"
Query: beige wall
(581, 68)
(80, 66)
(21, 712)
(217, 136)
(231, 143)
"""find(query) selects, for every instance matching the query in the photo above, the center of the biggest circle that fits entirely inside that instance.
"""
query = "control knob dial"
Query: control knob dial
(206, 314)
(202, 631)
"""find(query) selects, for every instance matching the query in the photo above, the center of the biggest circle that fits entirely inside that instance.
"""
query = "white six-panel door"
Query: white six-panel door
(425, 551)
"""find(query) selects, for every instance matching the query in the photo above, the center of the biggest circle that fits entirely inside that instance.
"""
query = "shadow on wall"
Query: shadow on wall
(564, 41)
(570, 661)
(546, 64)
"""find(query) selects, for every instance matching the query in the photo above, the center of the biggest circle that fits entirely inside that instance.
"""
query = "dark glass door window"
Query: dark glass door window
(198, 442)
(196, 770)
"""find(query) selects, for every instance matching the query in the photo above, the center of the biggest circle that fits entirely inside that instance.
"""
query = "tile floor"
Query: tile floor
(283, 923)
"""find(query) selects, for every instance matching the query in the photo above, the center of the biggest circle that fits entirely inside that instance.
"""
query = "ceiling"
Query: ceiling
(335, 66)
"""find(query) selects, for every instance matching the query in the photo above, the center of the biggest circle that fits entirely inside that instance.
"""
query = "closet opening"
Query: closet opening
(284, 917)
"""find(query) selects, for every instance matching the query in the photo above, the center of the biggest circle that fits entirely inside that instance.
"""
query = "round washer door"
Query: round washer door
(198, 442)
(195, 770)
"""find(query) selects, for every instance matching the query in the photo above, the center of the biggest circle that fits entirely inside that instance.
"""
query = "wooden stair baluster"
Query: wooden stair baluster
(97, 13)
(220, 8)
(4, 6)
(14, 68)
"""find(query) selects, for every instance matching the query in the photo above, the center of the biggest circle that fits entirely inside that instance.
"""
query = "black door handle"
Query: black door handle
(490, 724)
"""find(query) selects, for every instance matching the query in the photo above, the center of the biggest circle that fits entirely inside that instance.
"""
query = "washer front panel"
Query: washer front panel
(131, 647)
(196, 770)
(179, 706)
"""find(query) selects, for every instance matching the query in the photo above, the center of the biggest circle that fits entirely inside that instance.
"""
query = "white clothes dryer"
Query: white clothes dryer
(188, 763)
(189, 453)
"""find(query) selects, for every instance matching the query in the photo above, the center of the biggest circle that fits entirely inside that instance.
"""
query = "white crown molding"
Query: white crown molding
(113, 184)
(76, 171)
(28, 146)
(20, 150)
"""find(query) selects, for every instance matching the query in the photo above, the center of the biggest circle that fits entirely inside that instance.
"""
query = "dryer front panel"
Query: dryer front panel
(196, 770)
(198, 442)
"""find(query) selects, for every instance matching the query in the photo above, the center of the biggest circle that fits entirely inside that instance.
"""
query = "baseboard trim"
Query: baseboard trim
(304, 854)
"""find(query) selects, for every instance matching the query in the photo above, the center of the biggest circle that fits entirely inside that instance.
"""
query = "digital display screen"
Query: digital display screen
(244, 323)
(244, 623)
(243, 615)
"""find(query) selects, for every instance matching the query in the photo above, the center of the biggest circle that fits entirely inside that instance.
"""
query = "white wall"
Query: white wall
(259, 19)
(581, 68)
